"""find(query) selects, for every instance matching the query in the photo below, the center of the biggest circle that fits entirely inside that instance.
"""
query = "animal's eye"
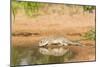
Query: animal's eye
(41, 41)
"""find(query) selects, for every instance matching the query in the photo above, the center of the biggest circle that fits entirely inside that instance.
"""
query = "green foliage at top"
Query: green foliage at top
(89, 8)
(29, 7)
(32, 8)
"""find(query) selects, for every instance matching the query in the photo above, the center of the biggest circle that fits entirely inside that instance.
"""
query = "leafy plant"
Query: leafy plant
(88, 8)
(29, 7)
(90, 35)
(32, 8)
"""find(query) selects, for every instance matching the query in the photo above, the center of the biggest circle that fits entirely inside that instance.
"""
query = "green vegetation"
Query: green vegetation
(90, 35)
(89, 8)
(30, 8)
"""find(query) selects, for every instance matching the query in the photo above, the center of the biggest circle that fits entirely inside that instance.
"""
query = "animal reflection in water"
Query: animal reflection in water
(57, 46)
(47, 56)
(54, 46)
(54, 52)
(49, 50)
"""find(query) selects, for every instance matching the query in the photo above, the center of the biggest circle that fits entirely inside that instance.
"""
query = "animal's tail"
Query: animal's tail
(77, 43)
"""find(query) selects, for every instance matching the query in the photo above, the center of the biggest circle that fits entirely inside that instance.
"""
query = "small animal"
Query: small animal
(59, 41)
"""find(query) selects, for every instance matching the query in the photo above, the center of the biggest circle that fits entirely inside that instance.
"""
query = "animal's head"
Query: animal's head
(43, 42)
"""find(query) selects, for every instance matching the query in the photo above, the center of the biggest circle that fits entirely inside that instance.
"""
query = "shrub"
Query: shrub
(90, 35)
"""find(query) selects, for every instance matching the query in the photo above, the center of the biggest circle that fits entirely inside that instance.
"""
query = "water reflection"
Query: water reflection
(39, 55)
(54, 52)
(24, 61)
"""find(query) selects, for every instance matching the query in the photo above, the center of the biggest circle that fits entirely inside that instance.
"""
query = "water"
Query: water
(39, 55)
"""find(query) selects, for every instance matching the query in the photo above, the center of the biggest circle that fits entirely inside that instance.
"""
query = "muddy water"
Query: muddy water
(40, 55)
(26, 52)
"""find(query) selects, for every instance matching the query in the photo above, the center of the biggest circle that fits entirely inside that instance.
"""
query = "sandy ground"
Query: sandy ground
(70, 26)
